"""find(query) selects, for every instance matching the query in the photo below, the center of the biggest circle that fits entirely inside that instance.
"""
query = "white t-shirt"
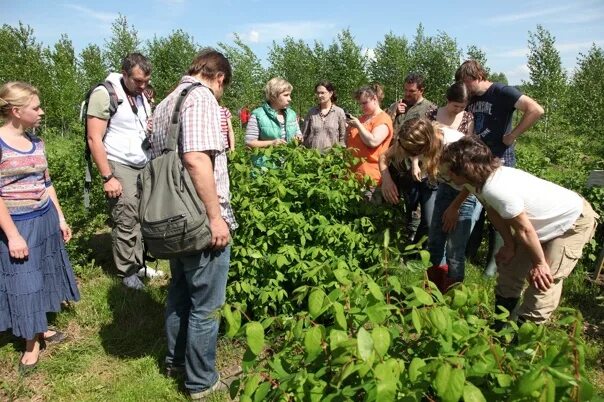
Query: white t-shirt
(551, 209)
(449, 136)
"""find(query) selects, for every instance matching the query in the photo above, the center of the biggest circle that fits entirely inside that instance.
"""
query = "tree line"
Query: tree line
(574, 103)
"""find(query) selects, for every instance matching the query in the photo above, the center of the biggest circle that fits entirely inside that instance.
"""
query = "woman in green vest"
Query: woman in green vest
(274, 123)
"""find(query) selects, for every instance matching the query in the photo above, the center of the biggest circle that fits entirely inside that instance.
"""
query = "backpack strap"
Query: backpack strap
(114, 103)
(174, 127)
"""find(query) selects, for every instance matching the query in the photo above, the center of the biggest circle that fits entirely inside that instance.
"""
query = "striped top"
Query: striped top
(225, 116)
(24, 178)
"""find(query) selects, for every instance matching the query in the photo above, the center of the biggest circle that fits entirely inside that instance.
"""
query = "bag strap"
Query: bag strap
(114, 103)
(174, 127)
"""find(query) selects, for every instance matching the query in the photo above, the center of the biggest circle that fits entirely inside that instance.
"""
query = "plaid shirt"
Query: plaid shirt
(200, 132)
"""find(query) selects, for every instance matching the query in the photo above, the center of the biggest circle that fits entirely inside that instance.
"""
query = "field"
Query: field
(295, 255)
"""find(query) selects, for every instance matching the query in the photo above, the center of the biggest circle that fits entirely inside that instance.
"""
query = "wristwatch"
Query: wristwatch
(107, 178)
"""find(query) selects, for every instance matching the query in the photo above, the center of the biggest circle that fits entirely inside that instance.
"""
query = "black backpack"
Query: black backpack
(114, 103)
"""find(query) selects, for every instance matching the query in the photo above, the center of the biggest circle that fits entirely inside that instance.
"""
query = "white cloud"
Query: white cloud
(101, 16)
(529, 14)
(577, 46)
(563, 48)
(512, 53)
(267, 32)
(517, 74)
(572, 13)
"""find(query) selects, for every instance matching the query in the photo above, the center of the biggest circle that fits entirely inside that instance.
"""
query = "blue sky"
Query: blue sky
(499, 28)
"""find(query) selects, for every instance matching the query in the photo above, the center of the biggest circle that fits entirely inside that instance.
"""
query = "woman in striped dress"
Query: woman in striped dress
(35, 273)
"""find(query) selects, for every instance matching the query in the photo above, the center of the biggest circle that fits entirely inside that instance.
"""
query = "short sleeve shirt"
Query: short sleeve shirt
(98, 104)
(200, 132)
(493, 112)
(550, 208)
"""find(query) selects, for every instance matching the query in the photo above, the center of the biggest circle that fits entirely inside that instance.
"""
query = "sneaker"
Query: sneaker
(218, 386)
(133, 282)
(174, 371)
(150, 273)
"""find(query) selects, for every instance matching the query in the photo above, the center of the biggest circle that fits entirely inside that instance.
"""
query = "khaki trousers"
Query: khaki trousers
(561, 254)
(126, 238)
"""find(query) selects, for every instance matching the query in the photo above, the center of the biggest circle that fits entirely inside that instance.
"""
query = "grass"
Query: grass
(117, 343)
(115, 349)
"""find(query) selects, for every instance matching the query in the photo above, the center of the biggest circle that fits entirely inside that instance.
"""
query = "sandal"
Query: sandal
(25, 369)
(57, 337)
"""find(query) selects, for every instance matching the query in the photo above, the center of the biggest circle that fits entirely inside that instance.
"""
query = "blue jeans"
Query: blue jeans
(450, 248)
(422, 193)
(197, 290)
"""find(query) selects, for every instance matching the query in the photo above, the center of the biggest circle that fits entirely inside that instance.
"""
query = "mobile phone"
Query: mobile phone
(348, 115)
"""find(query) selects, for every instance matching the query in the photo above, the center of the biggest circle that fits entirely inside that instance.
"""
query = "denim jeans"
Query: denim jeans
(197, 291)
(450, 248)
(424, 194)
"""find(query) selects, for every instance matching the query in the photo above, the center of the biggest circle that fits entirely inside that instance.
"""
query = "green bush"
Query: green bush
(567, 160)
(307, 213)
(66, 164)
(364, 336)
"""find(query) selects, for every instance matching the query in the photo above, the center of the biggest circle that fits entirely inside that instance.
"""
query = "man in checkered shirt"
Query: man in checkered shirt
(198, 284)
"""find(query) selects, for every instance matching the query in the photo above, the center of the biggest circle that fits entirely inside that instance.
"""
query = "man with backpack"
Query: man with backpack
(198, 283)
(117, 114)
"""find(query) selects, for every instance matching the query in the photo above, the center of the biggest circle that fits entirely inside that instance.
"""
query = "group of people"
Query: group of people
(35, 274)
(454, 161)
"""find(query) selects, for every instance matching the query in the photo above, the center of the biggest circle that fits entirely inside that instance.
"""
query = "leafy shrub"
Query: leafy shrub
(66, 164)
(567, 160)
(307, 213)
(364, 336)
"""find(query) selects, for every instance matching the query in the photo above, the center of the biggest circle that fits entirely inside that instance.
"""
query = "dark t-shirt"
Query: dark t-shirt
(493, 113)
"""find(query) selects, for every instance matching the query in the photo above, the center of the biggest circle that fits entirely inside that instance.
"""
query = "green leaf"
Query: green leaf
(472, 394)
(395, 283)
(312, 343)
(460, 298)
(315, 302)
(255, 336)
(422, 296)
(281, 260)
(377, 313)
(233, 321)
(251, 383)
(425, 256)
(256, 255)
(441, 381)
(530, 382)
(338, 311)
(374, 289)
(449, 383)
(386, 238)
(386, 383)
(341, 275)
(336, 338)
(438, 319)
(414, 368)
(381, 340)
(504, 380)
(415, 319)
(262, 392)
(364, 344)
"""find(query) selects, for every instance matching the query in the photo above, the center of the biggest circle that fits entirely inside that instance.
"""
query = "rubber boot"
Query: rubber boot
(491, 268)
(509, 303)
(439, 275)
